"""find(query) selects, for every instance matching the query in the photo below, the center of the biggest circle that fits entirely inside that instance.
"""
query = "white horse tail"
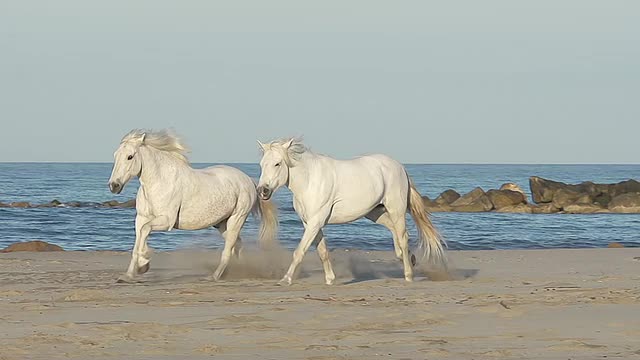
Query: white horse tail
(428, 237)
(268, 223)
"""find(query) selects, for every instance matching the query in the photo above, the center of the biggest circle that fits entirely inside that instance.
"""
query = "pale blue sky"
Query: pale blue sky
(423, 81)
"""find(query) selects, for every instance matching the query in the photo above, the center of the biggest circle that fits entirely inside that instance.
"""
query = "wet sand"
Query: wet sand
(532, 304)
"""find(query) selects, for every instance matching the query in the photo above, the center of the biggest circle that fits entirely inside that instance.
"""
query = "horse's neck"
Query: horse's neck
(157, 165)
(299, 175)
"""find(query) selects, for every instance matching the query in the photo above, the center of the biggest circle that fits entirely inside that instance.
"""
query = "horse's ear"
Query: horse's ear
(261, 145)
(142, 137)
(288, 143)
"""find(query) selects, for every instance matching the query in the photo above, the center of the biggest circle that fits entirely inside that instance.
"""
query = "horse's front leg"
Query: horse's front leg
(141, 253)
(311, 233)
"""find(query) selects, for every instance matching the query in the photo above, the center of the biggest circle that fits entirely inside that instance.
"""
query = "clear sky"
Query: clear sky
(423, 81)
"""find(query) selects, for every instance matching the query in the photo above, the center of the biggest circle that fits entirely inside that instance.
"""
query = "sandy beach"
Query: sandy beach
(531, 304)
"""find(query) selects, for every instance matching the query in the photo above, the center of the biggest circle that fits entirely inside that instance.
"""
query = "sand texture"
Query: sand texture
(533, 304)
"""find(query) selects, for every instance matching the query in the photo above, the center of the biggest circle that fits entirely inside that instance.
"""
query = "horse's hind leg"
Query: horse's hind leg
(230, 232)
(323, 253)
(237, 249)
(403, 242)
(379, 215)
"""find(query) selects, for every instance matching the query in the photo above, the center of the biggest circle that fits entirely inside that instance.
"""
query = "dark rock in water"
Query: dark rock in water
(53, 203)
(110, 203)
(474, 201)
(542, 190)
(584, 208)
(544, 209)
(504, 198)
(625, 203)
(20, 204)
(563, 197)
(74, 204)
(513, 187)
(128, 204)
(435, 207)
(602, 199)
(519, 208)
(36, 245)
(624, 187)
(447, 197)
(3, 205)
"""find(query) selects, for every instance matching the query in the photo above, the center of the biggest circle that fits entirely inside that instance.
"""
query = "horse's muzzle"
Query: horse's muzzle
(264, 192)
(115, 187)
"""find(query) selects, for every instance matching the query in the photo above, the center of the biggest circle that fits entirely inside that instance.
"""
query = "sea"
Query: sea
(95, 228)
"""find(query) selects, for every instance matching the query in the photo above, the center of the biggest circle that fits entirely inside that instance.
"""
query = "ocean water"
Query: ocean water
(89, 228)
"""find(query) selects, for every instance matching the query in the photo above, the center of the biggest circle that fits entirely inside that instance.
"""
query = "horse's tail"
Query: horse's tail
(428, 237)
(268, 223)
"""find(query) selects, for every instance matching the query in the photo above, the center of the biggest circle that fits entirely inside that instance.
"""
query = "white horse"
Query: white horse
(174, 195)
(330, 191)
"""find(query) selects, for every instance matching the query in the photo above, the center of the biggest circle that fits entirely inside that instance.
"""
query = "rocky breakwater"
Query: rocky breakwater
(548, 197)
(56, 203)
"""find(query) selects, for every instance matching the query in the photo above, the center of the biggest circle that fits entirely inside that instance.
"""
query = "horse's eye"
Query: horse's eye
(278, 164)
(129, 157)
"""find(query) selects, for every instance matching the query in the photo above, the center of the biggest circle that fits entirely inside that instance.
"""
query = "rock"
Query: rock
(624, 187)
(20, 204)
(74, 204)
(447, 197)
(110, 203)
(602, 199)
(542, 190)
(435, 207)
(519, 208)
(35, 245)
(474, 201)
(544, 209)
(3, 205)
(53, 203)
(564, 197)
(582, 208)
(503, 198)
(614, 245)
(131, 203)
(513, 187)
(625, 203)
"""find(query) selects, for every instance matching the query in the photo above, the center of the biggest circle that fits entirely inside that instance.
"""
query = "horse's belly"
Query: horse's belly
(341, 215)
(196, 219)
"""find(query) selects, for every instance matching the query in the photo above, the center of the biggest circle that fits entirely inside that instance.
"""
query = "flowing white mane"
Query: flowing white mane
(290, 154)
(163, 140)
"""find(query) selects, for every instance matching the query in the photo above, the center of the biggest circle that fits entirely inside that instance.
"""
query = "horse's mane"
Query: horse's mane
(291, 154)
(163, 140)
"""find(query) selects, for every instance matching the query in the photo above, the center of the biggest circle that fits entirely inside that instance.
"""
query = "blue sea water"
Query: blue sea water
(90, 228)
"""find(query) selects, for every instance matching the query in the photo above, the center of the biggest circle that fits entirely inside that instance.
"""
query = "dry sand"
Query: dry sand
(533, 304)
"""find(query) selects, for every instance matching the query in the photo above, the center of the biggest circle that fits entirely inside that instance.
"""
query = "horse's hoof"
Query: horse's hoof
(284, 282)
(125, 279)
(143, 269)
(210, 278)
(413, 260)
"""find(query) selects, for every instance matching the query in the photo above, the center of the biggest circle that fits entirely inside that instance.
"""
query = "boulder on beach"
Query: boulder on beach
(35, 245)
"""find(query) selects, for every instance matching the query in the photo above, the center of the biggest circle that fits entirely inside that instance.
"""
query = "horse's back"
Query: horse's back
(364, 183)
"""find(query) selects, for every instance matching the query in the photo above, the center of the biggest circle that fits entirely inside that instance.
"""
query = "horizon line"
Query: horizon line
(404, 163)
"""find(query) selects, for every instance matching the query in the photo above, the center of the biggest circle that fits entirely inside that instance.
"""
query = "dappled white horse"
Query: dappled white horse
(330, 191)
(174, 195)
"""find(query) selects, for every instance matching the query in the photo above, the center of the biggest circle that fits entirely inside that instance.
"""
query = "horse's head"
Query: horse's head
(274, 167)
(126, 163)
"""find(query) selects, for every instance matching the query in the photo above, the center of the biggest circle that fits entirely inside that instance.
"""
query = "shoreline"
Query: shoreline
(535, 303)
